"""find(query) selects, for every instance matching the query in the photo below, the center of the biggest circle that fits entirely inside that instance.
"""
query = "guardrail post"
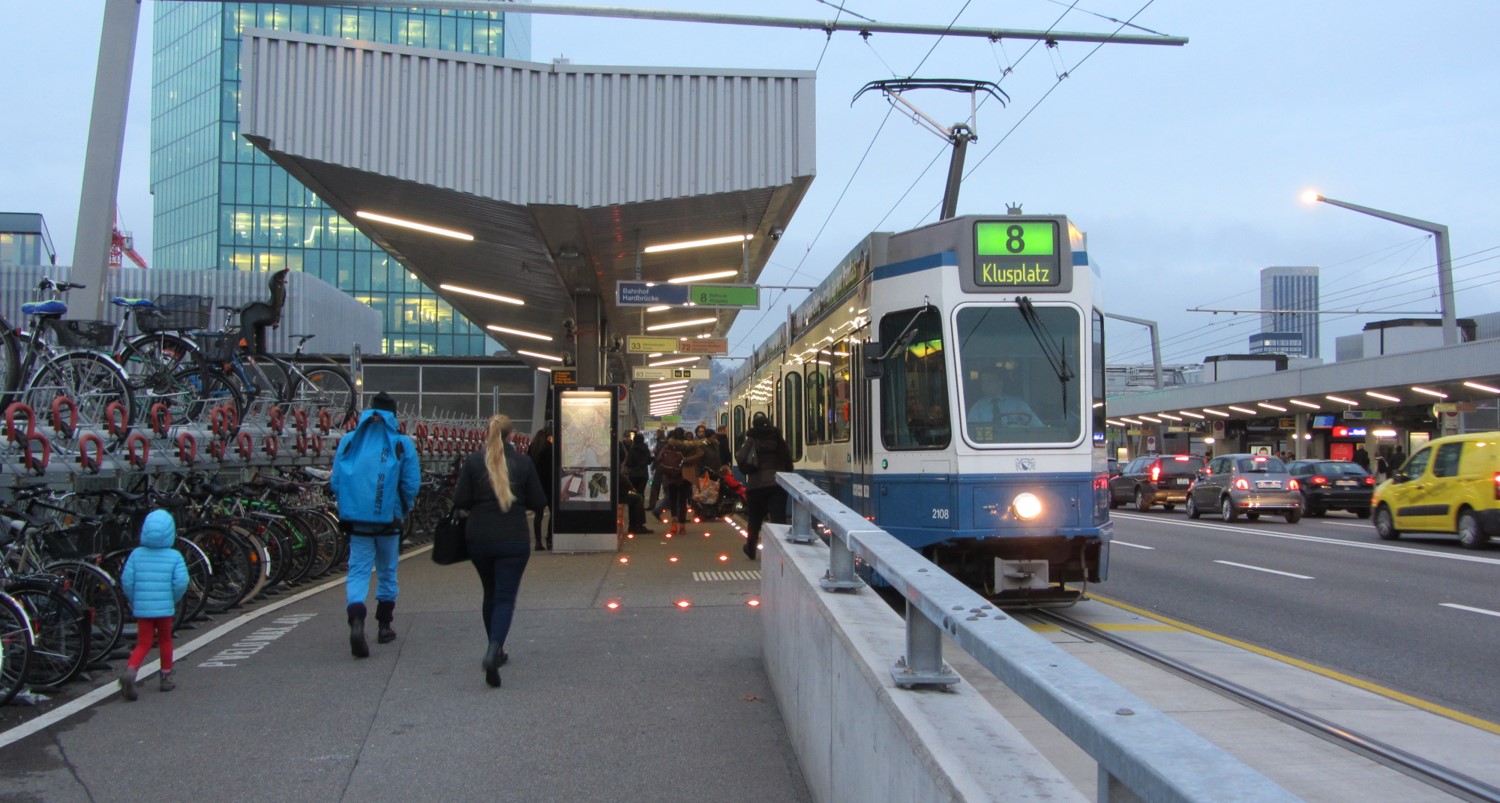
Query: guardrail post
(801, 532)
(923, 663)
(1113, 790)
(840, 576)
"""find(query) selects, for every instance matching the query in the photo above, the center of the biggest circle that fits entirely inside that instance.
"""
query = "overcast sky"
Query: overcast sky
(1183, 164)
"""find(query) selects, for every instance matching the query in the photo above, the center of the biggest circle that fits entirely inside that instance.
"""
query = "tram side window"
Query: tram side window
(792, 414)
(1098, 371)
(914, 410)
(838, 392)
(817, 401)
(738, 430)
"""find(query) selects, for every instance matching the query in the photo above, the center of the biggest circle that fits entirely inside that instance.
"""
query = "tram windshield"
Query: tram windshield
(1020, 384)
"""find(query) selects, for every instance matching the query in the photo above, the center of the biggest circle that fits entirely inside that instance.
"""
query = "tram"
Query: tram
(948, 383)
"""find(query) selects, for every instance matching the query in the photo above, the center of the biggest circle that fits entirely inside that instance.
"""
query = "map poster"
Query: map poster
(587, 449)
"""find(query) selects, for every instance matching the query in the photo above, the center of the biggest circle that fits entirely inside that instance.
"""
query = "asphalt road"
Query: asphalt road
(1420, 615)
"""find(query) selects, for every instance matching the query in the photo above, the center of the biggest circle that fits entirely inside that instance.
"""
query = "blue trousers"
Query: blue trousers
(372, 551)
(500, 565)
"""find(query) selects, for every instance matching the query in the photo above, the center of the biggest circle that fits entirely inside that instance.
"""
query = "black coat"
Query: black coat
(771, 453)
(541, 456)
(487, 522)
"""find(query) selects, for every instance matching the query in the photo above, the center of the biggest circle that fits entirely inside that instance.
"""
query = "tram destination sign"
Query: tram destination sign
(1017, 253)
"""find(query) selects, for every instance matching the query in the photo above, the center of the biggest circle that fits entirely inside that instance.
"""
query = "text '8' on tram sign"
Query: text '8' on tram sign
(1016, 254)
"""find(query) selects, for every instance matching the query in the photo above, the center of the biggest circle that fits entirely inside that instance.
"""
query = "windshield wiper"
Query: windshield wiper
(907, 333)
(1056, 354)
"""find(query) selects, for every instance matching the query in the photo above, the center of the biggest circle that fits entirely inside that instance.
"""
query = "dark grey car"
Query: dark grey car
(1152, 480)
(1248, 484)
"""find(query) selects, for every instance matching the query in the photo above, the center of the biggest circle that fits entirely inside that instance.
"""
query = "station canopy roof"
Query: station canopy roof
(548, 181)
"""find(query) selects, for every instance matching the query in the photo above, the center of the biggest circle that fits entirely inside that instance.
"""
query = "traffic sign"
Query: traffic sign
(725, 296)
(704, 345)
(645, 344)
(650, 294)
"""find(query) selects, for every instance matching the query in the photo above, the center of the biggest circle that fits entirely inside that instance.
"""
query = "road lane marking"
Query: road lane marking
(1373, 688)
(1467, 608)
(1262, 569)
(111, 687)
(1127, 543)
(1314, 539)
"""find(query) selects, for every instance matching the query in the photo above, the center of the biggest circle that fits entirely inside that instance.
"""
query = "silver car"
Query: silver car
(1251, 484)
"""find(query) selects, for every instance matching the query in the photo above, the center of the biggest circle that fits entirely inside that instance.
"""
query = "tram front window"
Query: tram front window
(1021, 383)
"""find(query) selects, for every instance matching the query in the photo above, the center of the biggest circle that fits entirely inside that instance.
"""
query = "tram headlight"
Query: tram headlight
(1027, 506)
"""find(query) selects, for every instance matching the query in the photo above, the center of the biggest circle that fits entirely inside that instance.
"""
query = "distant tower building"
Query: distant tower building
(1293, 328)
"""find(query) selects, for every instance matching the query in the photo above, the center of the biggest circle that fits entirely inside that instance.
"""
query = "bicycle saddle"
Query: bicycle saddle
(44, 308)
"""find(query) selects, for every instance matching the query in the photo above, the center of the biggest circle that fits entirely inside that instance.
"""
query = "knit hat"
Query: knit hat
(383, 401)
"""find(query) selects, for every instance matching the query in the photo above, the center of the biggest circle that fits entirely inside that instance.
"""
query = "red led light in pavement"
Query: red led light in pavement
(613, 605)
(754, 603)
(723, 558)
(624, 559)
(682, 603)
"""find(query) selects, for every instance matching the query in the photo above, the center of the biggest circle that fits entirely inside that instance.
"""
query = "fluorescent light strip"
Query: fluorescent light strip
(539, 355)
(703, 277)
(407, 224)
(519, 332)
(1485, 388)
(678, 361)
(1340, 399)
(1170, 416)
(544, 368)
(453, 288)
(1308, 405)
(659, 308)
(1244, 410)
(1382, 396)
(1219, 413)
(1114, 423)
(1130, 421)
(668, 384)
(680, 324)
(1278, 408)
(1429, 392)
(733, 238)
(1152, 420)
(1193, 415)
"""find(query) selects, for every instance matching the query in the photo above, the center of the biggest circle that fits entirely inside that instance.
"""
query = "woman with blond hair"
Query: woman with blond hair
(497, 486)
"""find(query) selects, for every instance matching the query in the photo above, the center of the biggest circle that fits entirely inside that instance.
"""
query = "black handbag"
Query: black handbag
(448, 545)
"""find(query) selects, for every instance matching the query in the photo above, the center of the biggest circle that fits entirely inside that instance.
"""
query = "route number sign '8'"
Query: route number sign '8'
(1016, 254)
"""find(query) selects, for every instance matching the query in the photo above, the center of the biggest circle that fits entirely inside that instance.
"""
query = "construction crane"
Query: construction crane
(123, 245)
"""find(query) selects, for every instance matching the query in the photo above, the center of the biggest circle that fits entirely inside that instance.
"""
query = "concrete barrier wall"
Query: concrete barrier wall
(857, 735)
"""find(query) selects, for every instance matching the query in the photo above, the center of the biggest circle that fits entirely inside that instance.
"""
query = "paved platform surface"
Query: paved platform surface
(651, 701)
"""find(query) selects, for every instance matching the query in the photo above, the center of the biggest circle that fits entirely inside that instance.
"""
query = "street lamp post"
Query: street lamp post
(1444, 262)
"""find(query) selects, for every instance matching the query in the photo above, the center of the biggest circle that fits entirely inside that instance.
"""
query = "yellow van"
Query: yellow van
(1451, 485)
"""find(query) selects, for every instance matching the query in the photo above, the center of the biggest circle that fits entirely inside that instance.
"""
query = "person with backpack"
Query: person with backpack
(677, 465)
(497, 485)
(761, 456)
(376, 476)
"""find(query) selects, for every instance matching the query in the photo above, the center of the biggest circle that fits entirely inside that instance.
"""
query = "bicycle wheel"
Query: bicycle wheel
(10, 361)
(92, 381)
(200, 581)
(325, 535)
(151, 361)
(235, 562)
(60, 629)
(15, 647)
(203, 390)
(101, 599)
(266, 385)
(326, 386)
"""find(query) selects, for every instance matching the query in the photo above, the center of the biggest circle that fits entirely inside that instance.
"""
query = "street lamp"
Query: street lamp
(1444, 262)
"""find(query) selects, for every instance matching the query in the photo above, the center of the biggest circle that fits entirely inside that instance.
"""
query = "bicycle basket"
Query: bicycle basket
(218, 346)
(70, 543)
(82, 334)
(177, 313)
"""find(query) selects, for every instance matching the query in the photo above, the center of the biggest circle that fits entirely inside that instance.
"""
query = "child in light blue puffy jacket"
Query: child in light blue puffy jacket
(154, 580)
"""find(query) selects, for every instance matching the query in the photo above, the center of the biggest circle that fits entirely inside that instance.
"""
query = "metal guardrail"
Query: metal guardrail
(1142, 753)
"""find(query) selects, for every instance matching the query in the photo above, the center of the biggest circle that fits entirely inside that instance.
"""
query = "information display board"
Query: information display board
(1021, 253)
(587, 450)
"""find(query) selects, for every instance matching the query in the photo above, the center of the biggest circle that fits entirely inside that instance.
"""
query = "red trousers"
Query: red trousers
(159, 627)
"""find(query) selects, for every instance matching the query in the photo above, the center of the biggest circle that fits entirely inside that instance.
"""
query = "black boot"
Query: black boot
(385, 611)
(357, 643)
(493, 658)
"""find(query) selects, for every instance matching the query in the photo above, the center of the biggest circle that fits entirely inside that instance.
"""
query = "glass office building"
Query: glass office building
(1291, 296)
(220, 203)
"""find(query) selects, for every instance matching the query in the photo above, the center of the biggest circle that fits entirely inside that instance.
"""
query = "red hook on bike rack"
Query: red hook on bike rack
(244, 445)
(317, 444)
(187, 448)
(217, 449)
(421, 429)
(64, 429)
(270, 444)
(10, 421)
(89, 463)
(299, 419)
(161, 419)
(302, 444)
(277, 420)
(30, 460)
(350, 423)
(116, 418)
(325, 421)
(138, 458)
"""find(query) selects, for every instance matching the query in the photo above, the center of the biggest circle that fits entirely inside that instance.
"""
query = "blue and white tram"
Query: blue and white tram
(948, 383)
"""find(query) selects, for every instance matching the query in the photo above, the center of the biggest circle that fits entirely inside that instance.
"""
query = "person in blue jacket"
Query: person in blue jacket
(154, 579)
(376, 476)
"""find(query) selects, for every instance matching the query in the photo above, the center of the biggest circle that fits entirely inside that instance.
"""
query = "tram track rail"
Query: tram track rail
(1457, 784)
